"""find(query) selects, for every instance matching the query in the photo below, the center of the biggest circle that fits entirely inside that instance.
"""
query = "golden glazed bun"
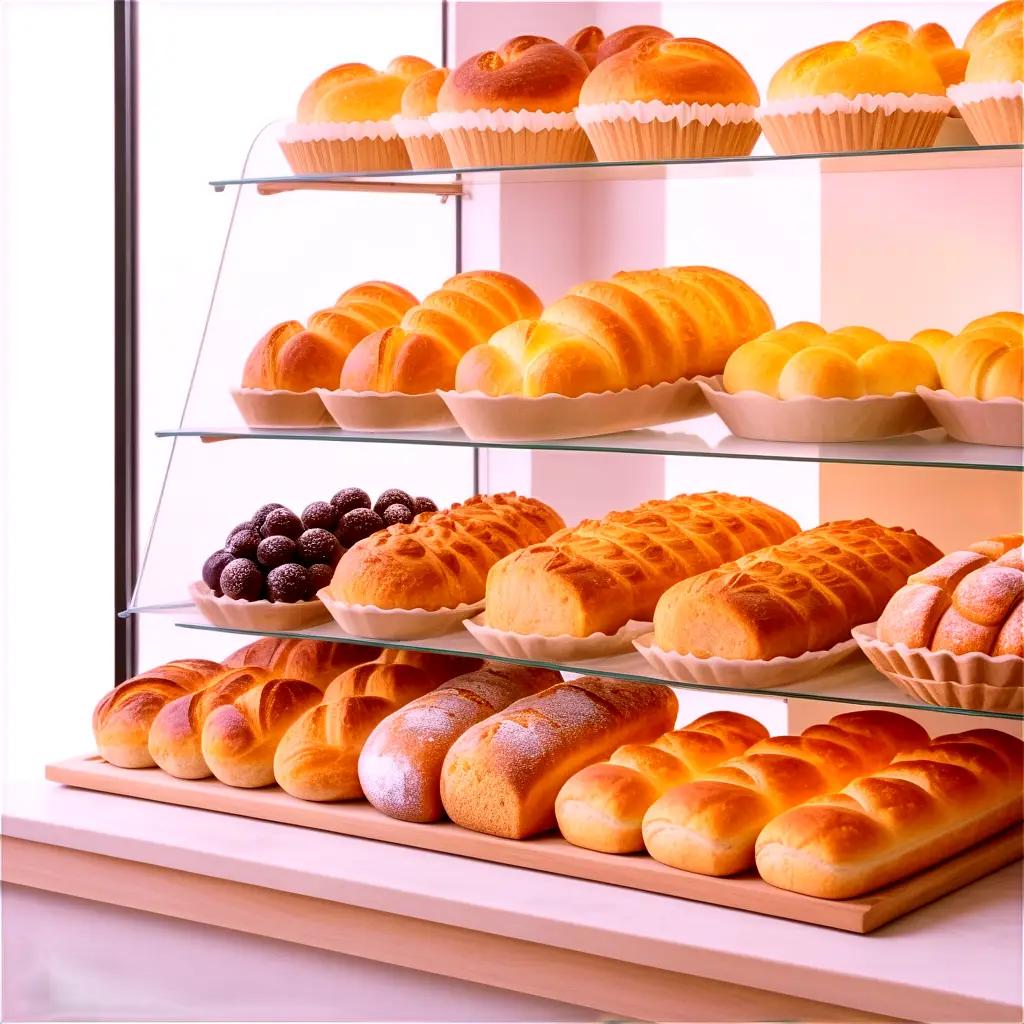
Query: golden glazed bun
(419, 97)
(594, 46)
(524, 74)
(950, 60)
(1005, 18)
(441, 559)
(985, 360)
(356, 92)
(1001, 59)
(409, 68)
(421, 354)
(967, 601)
(314, 661)
(586, 43)
(672, 71)
(290, 357)
(323, 84)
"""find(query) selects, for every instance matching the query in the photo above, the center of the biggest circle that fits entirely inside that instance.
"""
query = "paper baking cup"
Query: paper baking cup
(329, 147)
(426, 148)
(389, 410)
(994, 111)
(739, 673)
(654, 130)
(837, 124)
(535, 647)
(395, 623)
(261, 408)
(997, 421)
(263, 616)
(506, 138)
(975, 682)
(955, 133)
(763, 418)
(516, 418)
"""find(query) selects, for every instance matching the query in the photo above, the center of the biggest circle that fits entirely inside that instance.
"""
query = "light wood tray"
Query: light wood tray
(550, 853)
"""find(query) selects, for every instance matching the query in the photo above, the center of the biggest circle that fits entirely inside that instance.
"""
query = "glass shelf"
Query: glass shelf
(853, 683)
(705, 436)
(933, 159)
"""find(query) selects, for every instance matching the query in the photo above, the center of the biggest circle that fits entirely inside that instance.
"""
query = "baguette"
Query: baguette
(710, 825)
(929, 804)
(502, 775)
(602, 806)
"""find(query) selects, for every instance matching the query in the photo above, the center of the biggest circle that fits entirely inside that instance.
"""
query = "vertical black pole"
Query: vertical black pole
(125, 331)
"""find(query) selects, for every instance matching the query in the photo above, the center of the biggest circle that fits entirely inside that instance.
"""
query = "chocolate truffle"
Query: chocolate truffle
(287, 583)
(422, 505)
(356, 525)
(282, 522)
(260, 515)
(243, 543)
(392, 496)
(320, 515)
(276, 550)
(242, 580)
(320, 576)
(319, 546)
(350, 498)
(396, 513)
(213, 567)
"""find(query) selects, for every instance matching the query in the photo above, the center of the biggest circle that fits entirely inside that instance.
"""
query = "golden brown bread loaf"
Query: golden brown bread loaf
(441, 559)
(502, 775)
(122, 719)
(315, 661)
(966, 602)
(400, 763)
(639, 327)
(929, 804)
(317, 757)
(602, 806)
(804, 594)
(595, 577)
(710, 825)
(986, 360)
(290, 357)
(420, 354)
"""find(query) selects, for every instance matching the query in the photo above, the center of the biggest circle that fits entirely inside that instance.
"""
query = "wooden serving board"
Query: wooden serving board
(551, 853)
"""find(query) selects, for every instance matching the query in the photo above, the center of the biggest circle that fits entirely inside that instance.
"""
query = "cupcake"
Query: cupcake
(594, 46)
(514, 106)
(991, 97)
(665, 99)
(345, 119)
(419, 100)
(875, 91)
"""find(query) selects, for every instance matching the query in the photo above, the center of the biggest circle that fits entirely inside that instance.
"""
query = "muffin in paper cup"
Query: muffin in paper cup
(336, 148)
(426, 148)
(501, 138)
(993, 111)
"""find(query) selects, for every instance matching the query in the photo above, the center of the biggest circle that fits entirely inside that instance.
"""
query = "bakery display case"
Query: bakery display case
(638, 462)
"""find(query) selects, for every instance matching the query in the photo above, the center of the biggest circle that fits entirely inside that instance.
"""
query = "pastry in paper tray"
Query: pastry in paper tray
(997, 421)
(535, 647)
(395, 623)
(260, 408)
(392, 410)
(263, 616)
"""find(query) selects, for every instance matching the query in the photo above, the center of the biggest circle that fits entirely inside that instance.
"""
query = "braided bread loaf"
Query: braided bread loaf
(710, 825)
(640, 327)
(600, 574)
(315, 661)
(803, 595)
(420, 354)
(967, 601)
(441, 559)
(602, 806)
(929, 804)
(122, 719)
(290, 357)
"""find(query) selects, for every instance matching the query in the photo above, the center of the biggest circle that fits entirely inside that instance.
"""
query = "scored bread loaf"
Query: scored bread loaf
(595, 577)
(967, 601)
(419, 355)
(315, 661)
(317, 757)
(400, 763)
(123, 717)
(441, 559)
(710, 825)
(239, 738)
(929, 804)
(502, 775)
(602, 806)
(804, 594)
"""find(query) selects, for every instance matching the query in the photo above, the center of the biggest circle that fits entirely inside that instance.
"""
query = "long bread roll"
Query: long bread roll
(502, 775)
(597, 576)
(400, 763)
(315, 661)
(929, 804)
(602, 806)
(710, 825)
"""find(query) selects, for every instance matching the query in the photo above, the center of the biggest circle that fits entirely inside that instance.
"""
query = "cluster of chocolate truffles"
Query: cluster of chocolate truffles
(280, 556)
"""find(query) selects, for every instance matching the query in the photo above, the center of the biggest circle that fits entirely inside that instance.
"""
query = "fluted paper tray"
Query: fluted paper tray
(535, 647)
(739, 673)
(975, 682)
(515, 418)
(390, 410)
(819, 420)
(998, 421)
(261, 408)
(256, 615)
(395, 623)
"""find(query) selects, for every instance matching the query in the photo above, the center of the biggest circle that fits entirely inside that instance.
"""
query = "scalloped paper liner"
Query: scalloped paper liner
(516, 418)
(427, 152)
(262, 616)
(339, 156)
(261, 408)
(535, 647)
(739, 673)
(819, 420)
(503, 138)
(395, 623)
(392, 410)
(994, 111)
(974, 682)
(995, 421)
